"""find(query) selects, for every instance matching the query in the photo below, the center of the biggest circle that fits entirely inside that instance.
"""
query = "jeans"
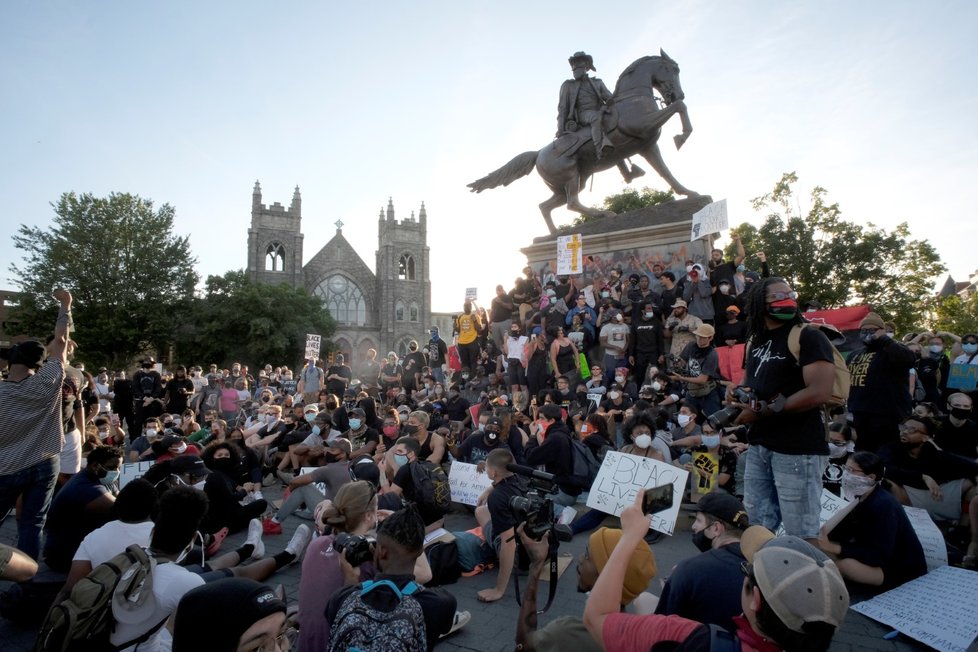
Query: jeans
(36, 484)
(308, 494)
(784, 488)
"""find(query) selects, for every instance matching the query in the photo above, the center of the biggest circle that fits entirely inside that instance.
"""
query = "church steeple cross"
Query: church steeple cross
(339, 224)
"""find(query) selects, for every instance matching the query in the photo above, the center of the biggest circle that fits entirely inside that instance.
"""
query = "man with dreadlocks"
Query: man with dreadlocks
(787, 451)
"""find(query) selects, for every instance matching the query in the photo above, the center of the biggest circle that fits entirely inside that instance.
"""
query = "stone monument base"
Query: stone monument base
(635, 240)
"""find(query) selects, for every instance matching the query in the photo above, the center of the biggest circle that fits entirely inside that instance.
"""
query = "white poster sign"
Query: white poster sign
(130, 472)
(471, 294)
(831, 505)
(937, 609)
(931, 539)
(709, 219)
(466, 483)
(622, 476)
(313, 343)
(570, 254)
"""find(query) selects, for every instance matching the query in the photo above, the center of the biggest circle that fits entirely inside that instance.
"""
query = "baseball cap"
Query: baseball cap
(800, 583)
(725, 507)
(171, 440)
(312, 407)
(679, 304)
(191, 464)
(733, 309)
(704, 330)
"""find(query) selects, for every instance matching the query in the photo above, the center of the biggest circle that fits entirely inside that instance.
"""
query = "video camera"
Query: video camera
(724, 417)
(536, 509)
(358, 547)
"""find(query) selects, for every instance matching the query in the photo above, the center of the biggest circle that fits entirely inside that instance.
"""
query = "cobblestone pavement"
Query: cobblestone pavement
(493, 626)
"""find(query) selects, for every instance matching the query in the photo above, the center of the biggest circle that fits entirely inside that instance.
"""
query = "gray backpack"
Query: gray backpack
(362, 628)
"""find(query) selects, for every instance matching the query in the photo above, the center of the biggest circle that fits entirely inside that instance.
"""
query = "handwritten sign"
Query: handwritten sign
(963, 376)
(570, 254)
(313, 343)
(931, 539)
(937, 609)
(130, 472)
(466, 483)
(471, 294)
(318, 485)
(831, 504)
(622, 476)
(707, 467)
(709, 219)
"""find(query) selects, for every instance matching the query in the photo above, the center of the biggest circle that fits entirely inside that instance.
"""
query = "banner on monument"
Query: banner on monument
(622, 476)
(467, 483)
(963, 376)
(313, 343)
(570, 254)
(712, 218)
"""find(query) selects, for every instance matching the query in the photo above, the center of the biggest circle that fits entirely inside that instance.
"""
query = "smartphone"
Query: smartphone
(657, 499)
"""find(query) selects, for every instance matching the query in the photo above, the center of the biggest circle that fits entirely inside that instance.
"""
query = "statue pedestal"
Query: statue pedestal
(634, 240)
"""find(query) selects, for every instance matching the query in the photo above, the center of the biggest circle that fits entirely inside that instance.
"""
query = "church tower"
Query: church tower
(403, 287)
(275, 241)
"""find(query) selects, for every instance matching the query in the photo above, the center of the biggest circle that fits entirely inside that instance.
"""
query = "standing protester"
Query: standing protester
(31, 429)
(310, 381)
(437, 352)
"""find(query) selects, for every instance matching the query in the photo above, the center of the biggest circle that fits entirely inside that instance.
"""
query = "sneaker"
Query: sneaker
(462, 619)
(256, 495)
(271, 527)
(301, 538)
(284, 476)
(269, 480)
(216, 540)
(567, 515)
(255, 530)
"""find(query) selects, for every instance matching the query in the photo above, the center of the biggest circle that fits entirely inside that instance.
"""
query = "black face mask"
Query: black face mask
(222, 464)
(410, 429)
(701, 541)
(329, 458)
(961, 413)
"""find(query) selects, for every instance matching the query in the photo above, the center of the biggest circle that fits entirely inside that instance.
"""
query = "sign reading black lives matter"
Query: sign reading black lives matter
(622, 476)
(313, 343)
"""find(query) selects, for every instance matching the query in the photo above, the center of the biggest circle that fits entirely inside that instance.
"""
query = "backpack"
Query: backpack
(119, 588)
(841, 380)
(585, 465)
(444, 562)
(431, 487)
(358, 626)
(146, 384)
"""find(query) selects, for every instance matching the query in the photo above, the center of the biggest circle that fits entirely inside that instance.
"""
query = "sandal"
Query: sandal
(216, 540)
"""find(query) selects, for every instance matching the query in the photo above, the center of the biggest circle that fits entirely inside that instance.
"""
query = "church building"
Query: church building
(383, 310)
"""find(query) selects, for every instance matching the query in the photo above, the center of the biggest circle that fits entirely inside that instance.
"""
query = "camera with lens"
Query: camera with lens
(358, 548)
(536, 509)
(723, 418)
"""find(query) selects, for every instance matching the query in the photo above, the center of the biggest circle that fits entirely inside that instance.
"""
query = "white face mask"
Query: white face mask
(614, 395)
(854, 486)
(181, 448)
(840, 450)
(643, 441)
(657, 386)
(683, 420)
(620, 380)
(151, 432)
(200, 485)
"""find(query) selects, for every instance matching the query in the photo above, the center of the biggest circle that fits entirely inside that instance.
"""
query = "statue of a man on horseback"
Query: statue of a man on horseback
(597, 130)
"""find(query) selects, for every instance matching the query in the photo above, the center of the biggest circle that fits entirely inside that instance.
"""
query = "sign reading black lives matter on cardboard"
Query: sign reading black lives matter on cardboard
(312, 345)
(622, 476)
(710, 219)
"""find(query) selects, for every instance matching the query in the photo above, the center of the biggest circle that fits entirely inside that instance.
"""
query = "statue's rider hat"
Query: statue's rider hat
(582, 56)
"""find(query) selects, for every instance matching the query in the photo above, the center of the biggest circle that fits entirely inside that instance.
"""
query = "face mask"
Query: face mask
(970, 348)
(605, 295)
(329, 458)
(401, 460)
(683, 420)
(181, 448)
(151, 432)
(888, 333)
(837, 451)
(710, 441)
(701, 541)
(614, 395)
(177, 421)
(648, 315)
(741, 269)
(724, 289)
(355, 424)
(854, 486)
(438, 390)
(689, 268)
(657, 386)
(620, 379)
(390, 431)
(410, 429)
(960, 413)
(103, 434)
(310, 417)
(936, 349)
(643, 441)
(491, 436)
(465, 376)
(316, 430)
(270, 419)
(784, 310)
(434, 337)
(200, 485)
(867, 338)
(110, 478)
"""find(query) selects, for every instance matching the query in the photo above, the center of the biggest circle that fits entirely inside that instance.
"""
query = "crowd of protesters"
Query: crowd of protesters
(622, 360)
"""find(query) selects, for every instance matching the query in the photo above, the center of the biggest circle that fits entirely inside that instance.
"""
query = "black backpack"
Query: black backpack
(586, 466)
(443, 559)
(431, 489)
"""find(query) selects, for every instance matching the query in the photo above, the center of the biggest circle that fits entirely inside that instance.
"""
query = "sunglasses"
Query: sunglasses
(781, 296)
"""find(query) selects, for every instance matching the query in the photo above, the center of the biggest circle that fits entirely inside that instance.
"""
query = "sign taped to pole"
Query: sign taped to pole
(570, 254)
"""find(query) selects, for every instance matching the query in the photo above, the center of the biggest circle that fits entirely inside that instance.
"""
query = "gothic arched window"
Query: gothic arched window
(399, 311)
(344, 300)
(414, 312)
(275, 257)
(405, 268)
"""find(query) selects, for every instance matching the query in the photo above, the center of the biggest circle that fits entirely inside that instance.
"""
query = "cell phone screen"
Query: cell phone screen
(657, 499)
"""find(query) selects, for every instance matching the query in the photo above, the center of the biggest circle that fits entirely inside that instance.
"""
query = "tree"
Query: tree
(239, 319)
(130, 276)
(838, 262)
(954, 314)
(625, 201)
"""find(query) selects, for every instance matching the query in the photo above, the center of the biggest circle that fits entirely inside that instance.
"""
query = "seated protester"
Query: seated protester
(390, 376)
(594, 434)
(711, 443)
(229, 614)
(301, 428)
(563, 395)
(478, 445)
(687, 432)
(732, 331)
(83, 504)
(698, 368)
(841, 447)
(140, 450)
(400, 541)
(267, 431)
(497, 518)
(224, 494)
(183, 471)
(436, 416)
(550, 445)
(666, 394)
(800, 608)
(431, 446)
(391, 430)
(457, 407)
(204, 433)
(172, 425)
(312, 450)
(513, 434)
(959, 431)
(874, 544)
(133, 510)
(363, 438)
(597, 384)
(303, 490)
(615, 403)
(110, 433)
(341, 415)
(250, 467)
(707, 587)
(566, 632)
(174, 446)
(403, 490)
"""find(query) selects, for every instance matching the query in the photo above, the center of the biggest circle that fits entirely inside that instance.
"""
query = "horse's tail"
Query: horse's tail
(519, 167)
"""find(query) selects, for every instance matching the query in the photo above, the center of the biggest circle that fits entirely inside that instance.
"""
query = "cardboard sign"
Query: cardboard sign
(931, 539)
(831, 504)
(622, 476)
(130, 472)
(963, 376)
(937, 609)
(313, 343)
(570, 254)
(466, 483)
(709, 220)
(707, 467)
(471, 294)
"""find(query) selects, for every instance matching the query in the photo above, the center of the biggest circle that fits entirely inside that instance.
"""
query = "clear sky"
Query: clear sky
(190, 102)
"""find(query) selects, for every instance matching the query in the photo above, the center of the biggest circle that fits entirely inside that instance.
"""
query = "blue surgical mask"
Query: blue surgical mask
(310, 417)
(970, 348)
(401, 460)
(710, 441)
(316, 430)
(354, 424)
(110, 477)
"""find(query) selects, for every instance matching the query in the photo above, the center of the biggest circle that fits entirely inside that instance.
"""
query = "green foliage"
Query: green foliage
(838, 262)
(238, 319)
(956, 315)
(631, 199)
(131, 278)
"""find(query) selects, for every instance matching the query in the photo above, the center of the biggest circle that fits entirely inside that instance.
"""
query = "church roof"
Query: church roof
(338, 255)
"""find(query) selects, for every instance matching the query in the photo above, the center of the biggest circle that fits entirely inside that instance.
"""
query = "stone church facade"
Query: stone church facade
(383, 310)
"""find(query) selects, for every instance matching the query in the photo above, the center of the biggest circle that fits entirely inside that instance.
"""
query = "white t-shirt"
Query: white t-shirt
(71, 452)
(114, 537)
(170, 584)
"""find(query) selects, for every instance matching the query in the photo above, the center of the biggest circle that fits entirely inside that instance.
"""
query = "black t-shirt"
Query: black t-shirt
(359, 440)
(879, 373)
(701, 360)
(475, 449)
(334, 386)
(723, 271)
(458, 409)
(405, 481)
(773, 370)
(71, 397)
(498, 311)
(437, 352)
(502, 515)
(736, 331)
(706, 588)
(178, 392)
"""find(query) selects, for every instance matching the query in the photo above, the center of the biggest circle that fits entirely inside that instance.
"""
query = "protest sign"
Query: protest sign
(313, 345)
(710, 219)
(466, 483)
(707, 467)
(471, 294)
(570, 254)
(937, 609)
(963, 376)
(831, 505)
(318, 485)
(931, 539)
(622, 476)
(130, 472)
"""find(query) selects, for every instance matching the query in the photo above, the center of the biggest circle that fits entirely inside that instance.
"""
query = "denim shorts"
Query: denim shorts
(781, 488)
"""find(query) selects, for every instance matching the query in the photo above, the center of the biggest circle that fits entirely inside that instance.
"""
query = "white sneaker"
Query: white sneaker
(297, 544)
(256, 495)
(462, 619)
(567, 516)
(254, 538)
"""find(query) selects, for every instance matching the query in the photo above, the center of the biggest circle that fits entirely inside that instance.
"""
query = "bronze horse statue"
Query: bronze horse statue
(633, 124)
